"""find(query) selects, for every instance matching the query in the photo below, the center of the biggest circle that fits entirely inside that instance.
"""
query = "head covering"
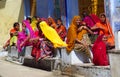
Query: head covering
(32, 35)
(99, 52)
(52, 35)
(72, 33)
(53, 22)
(22, 36)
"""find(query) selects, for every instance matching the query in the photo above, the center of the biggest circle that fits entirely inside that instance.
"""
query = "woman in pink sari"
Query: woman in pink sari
(99, 51)
(24, 37)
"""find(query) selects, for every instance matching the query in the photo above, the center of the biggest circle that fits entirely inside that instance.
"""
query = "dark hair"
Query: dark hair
(102, 14)
(85, 13)
(15, 24)
(60, 20)
(28, 18)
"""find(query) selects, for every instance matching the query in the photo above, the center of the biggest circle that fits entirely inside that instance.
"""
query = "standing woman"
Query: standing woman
(77, 38)
(104, 28)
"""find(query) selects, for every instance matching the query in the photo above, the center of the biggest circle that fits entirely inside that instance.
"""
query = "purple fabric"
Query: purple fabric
(32, 34)
(22, 36)
(91, 20)
(88, 21)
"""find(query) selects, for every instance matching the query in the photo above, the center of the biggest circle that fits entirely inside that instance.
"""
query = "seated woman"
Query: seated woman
(104, 28)
(51, 22)
(61, 29)
(99, 51)
(42, 47)
(24, 38)
(91, 20)
(13, 35)
(77, 38)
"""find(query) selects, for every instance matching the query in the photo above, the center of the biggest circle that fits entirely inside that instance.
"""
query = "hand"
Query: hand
(21, 44)
(84, 27)
(80, 28)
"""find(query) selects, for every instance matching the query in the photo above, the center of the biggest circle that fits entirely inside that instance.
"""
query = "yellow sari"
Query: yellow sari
(52, 35)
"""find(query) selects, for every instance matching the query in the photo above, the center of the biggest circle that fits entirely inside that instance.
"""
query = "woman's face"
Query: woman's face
(104, 38)
(17, 27)
(23, 26)
(102, 18)
(49, 21)
(78, 21)
(59, 22)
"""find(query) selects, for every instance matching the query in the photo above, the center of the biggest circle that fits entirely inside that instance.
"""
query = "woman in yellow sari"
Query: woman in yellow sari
(77, 37)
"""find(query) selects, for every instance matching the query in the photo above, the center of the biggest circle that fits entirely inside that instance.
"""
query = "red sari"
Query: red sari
(99, 52)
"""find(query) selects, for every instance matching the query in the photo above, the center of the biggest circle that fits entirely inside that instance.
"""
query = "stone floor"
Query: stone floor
(8, 69)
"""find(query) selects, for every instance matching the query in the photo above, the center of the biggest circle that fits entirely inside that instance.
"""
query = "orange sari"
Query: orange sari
(72, 34)
(107, 31)
(53, 25)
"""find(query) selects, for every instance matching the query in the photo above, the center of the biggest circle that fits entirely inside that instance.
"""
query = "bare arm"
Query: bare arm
(89, 30)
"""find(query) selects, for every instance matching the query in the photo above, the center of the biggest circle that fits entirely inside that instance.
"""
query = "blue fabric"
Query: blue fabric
(26, 8)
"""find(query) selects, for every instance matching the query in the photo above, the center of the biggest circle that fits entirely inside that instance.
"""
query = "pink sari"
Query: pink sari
(91, 20)
(99, 52)
(22, 36)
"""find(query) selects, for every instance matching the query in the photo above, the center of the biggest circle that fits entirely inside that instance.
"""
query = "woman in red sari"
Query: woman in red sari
(99, 51)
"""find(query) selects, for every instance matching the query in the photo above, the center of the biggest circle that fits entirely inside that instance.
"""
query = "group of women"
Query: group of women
(45, 35)
(79, 33)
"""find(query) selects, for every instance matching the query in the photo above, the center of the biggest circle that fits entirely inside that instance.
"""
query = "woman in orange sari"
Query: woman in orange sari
(77, 37)
(104, 28)
(51, 22)
(61, 29)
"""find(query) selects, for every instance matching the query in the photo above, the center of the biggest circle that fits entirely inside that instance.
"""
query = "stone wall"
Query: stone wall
(92, 71)
(10, 12)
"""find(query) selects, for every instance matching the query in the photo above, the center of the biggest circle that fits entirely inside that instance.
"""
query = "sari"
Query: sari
(23, 35)
(61, 30)
(81, 36)
(53, 24)
(41, 47)
(51, 35)
(72, 34)
(33, 25)
(91, 20)
(107, 31)
(99, 52)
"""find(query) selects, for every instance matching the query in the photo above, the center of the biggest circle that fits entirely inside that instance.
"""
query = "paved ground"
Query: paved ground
(8, 69)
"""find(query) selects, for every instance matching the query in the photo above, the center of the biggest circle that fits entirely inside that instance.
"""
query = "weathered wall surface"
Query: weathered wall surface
(9, 13)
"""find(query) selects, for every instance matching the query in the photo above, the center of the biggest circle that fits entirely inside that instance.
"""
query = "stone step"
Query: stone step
(89, 70)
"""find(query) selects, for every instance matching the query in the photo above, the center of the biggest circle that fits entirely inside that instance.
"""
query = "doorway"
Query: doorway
(91, 6)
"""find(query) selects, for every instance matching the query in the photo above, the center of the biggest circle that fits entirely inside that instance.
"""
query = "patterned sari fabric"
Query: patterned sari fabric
(42, 47)
(99, 52)
(84, 47)
(63, 32)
